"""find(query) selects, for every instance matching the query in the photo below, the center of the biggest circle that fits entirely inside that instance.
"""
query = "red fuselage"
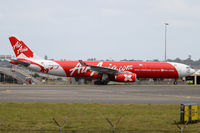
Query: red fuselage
(141, 69)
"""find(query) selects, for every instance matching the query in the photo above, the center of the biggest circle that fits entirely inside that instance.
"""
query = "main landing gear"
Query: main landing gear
(175, 82)
(100, 82)
(103, 81)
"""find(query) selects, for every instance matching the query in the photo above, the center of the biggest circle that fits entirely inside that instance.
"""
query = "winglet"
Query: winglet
(82, 63)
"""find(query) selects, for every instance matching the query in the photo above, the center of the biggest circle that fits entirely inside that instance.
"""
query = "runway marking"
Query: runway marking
(5, 90)
(8, 91)
(187, 97)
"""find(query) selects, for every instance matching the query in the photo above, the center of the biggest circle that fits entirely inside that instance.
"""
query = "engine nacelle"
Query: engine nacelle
(125, 77)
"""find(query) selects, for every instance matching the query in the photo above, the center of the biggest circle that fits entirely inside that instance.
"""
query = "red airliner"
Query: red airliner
(103, 71)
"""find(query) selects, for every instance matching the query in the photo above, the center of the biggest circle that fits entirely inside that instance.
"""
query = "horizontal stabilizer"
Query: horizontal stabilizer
(18, 62)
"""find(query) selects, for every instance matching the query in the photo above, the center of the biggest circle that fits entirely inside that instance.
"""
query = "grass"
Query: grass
(84, 117)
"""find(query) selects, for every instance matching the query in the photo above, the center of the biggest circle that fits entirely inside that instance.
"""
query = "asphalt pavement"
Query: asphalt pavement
(111, 94)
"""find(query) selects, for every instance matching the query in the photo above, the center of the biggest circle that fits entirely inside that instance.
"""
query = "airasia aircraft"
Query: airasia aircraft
(103, 71)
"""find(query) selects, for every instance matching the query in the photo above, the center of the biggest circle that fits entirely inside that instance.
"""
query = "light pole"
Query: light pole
(166, 41)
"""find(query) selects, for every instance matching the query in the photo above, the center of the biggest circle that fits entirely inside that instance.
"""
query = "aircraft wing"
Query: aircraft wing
(100, 69)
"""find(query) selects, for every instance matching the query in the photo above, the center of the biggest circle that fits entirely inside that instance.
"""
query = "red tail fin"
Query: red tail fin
(20, 48)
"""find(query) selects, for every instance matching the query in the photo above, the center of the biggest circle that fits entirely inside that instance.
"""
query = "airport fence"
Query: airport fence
(63, 128)
(92, 131)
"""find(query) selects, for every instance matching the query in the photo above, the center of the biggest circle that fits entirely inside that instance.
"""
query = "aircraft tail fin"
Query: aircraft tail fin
(20, 49)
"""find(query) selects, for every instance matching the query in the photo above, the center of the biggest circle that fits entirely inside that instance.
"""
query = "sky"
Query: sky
(102, 29)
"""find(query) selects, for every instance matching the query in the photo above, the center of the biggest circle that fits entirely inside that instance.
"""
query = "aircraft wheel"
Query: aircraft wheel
(175, 82)
(105, 82)
(98, 82)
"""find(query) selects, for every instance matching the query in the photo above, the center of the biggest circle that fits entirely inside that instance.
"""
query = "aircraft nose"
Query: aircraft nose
(184, 70)
(192, 71)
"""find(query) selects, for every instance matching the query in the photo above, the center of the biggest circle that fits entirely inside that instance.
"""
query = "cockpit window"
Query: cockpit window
(188, 69)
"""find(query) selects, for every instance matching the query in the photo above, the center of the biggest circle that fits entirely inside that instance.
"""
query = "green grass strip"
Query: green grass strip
(91, 117)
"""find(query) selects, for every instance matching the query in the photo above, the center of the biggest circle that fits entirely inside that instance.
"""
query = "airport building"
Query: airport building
(5, 57)
(194, 78)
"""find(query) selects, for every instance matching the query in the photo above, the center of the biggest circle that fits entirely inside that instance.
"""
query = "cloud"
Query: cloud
(176, 7)
(171, 6)
(136, 24)
(179, 13)
(181, 23)
(111, 12)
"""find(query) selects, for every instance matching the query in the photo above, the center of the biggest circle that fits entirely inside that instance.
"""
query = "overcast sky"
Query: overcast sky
(104, 29)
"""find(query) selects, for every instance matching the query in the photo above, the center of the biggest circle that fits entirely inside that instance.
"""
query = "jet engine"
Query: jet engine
(125, 77)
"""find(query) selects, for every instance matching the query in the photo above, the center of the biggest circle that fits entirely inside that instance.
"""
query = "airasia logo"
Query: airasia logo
(20, 48)
(128, 77)
(79, 68)
(82, 69)
(125, 77)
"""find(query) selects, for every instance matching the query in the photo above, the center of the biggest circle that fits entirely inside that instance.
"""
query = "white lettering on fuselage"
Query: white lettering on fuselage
(83, 69)
(100, 64)
(79, 68)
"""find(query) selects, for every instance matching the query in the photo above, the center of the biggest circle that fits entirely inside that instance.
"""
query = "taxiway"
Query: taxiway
(112, 94)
